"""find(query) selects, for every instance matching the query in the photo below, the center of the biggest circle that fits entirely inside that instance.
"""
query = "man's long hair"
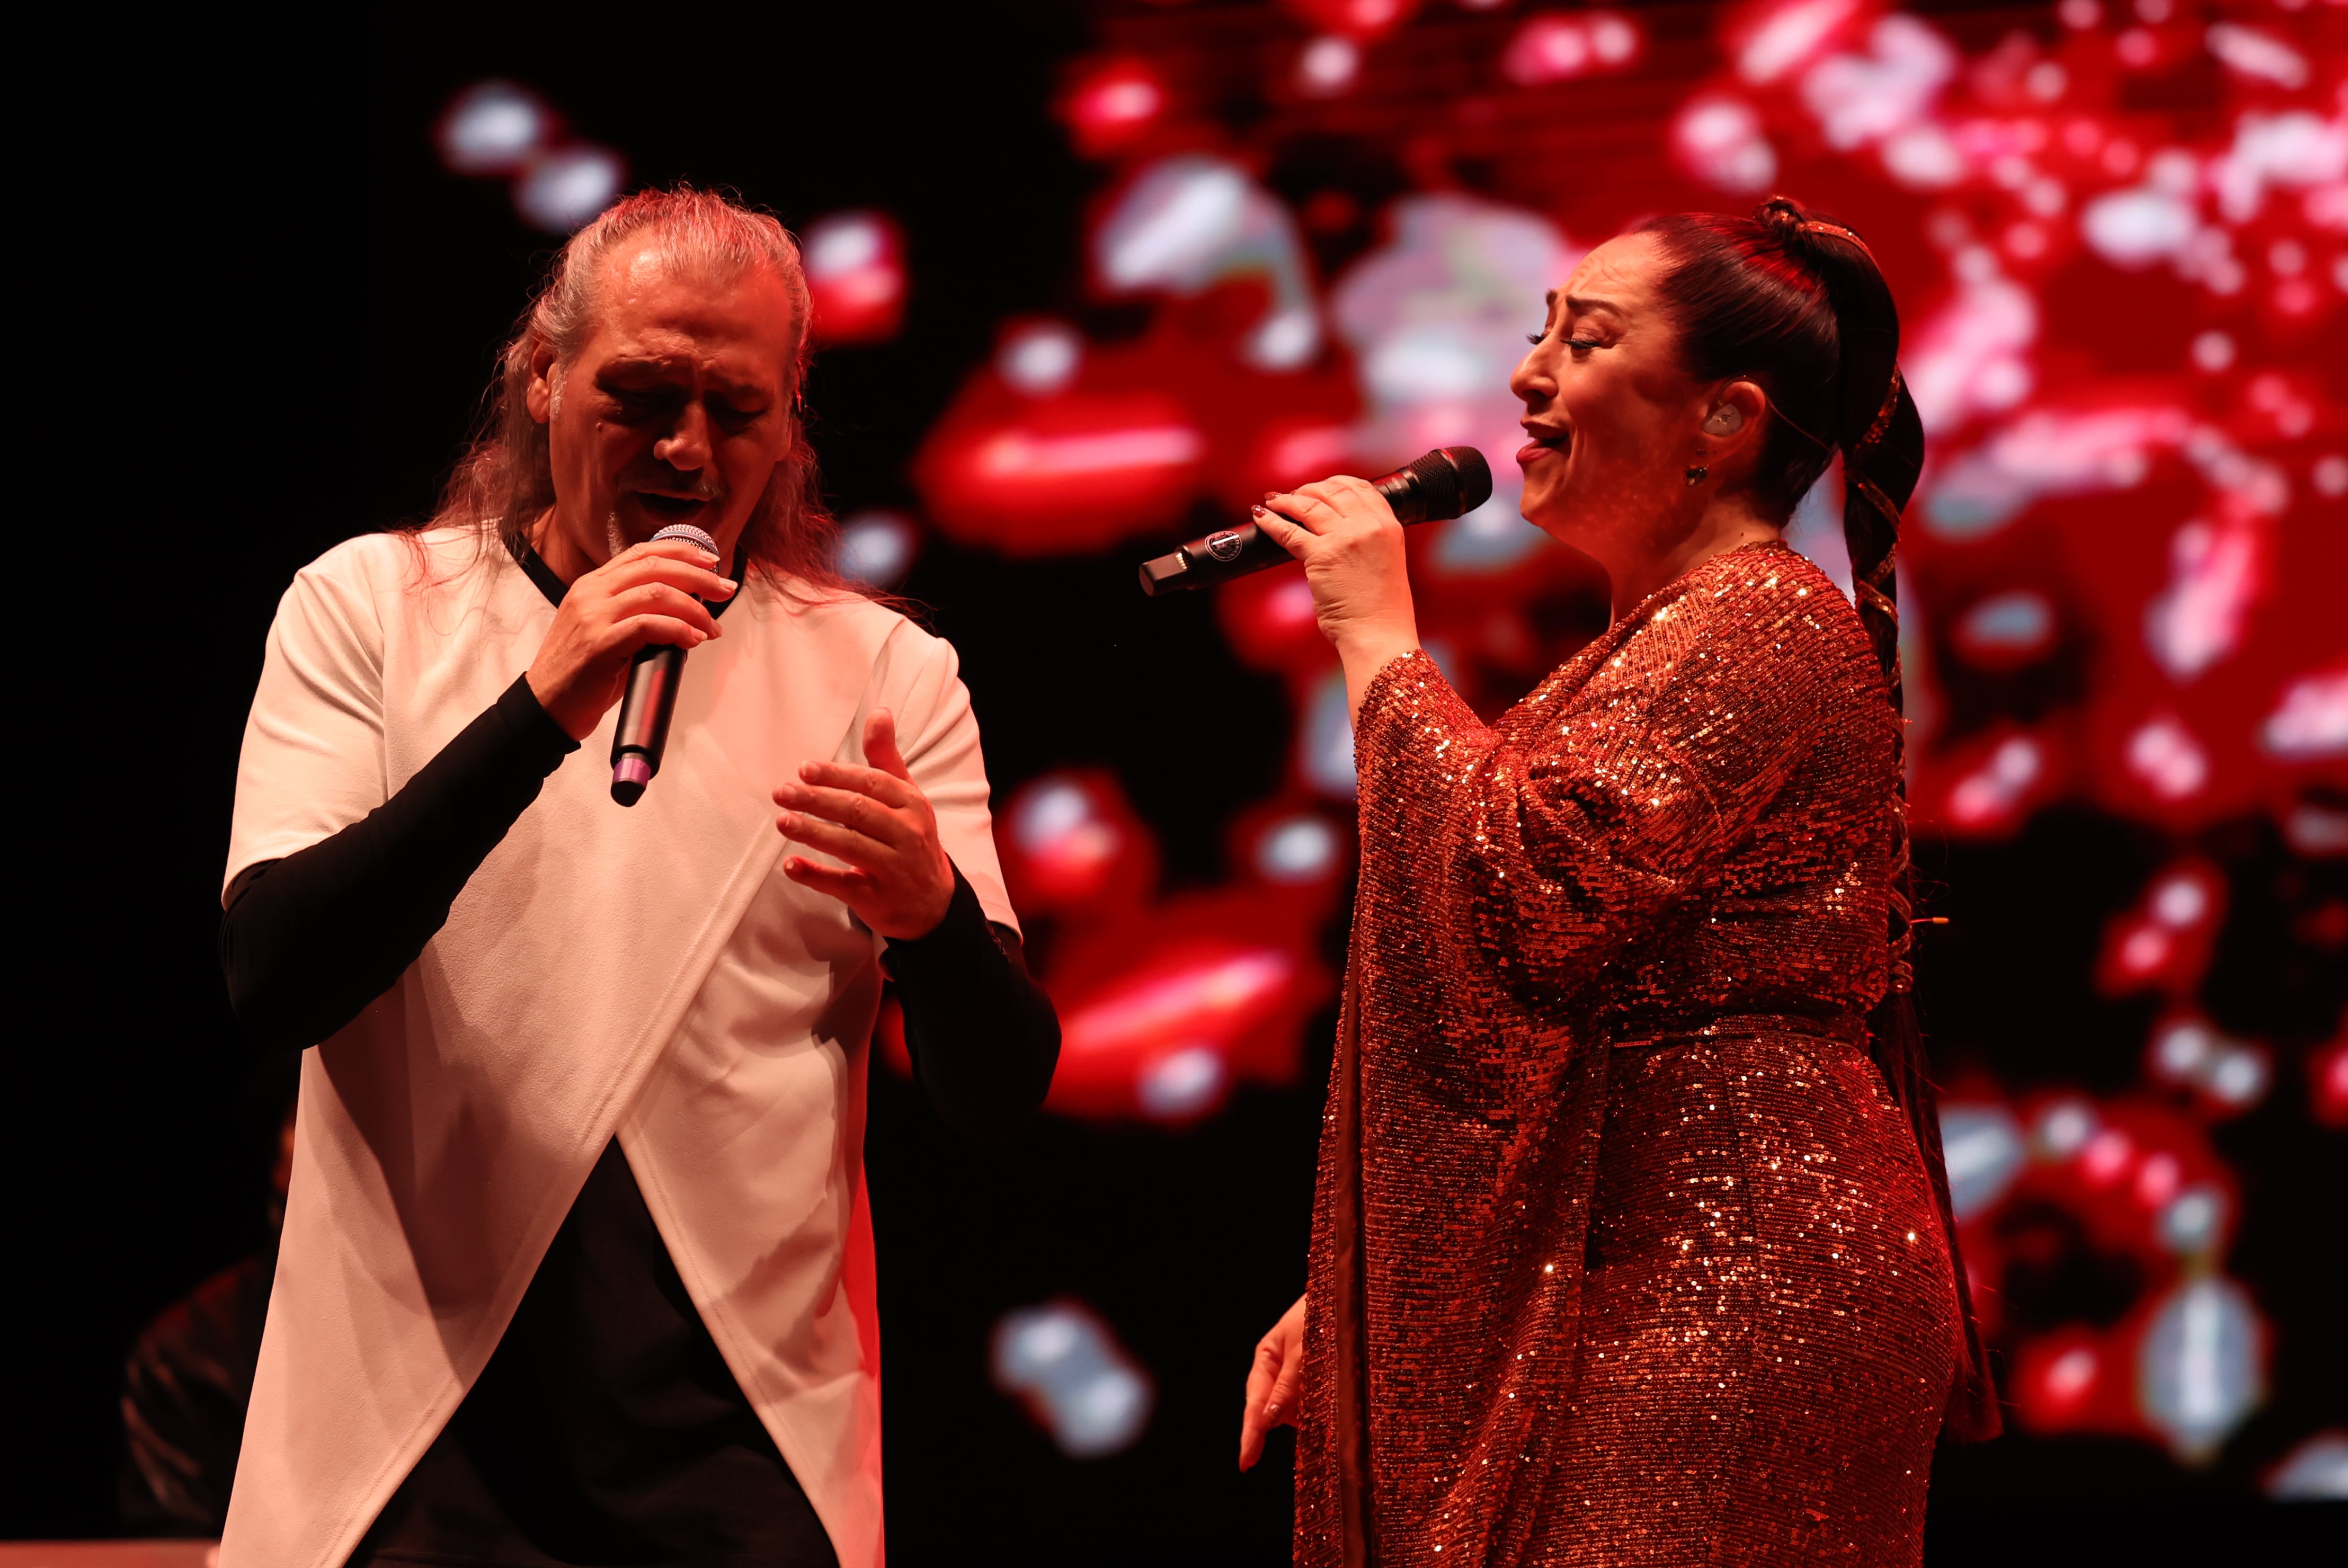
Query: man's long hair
(504, 482)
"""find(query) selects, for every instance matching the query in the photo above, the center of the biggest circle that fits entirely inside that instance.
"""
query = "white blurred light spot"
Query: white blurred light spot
(1923, 158)
(1548, 48)
(2239, 1076)
(2080, 14)
(2064, 1129)
(1789, 36)
(1056, 817)
(2137, 47)
(2293, 149)
(2181, 1048)
(1182, 1083)
(1326, 742)
(565, 189)
(2154, 11)
(1612, 38)
(2046, 81)
(1721, 141)
(2257, 54)
(1993, 792)
(2019, 622)
(2312, 721)
(845, 245)
(2212, 351)
(2136, 228)
(1300, 850)
(1982, 1145)
(2164, 754)
(1329, 65)
(2197, 620)
(492, 127)
(2330, 474)
(2314, 829)
(1014, 453)
(1068, 1369)
(2286, 257)
(2106, 1155)
(2189, 1223)
(877, 548)
(1859, 98)
(2315, 1471)
(2071, 1374)
(1040, 358)
(2198, 1372)
(2180, 903)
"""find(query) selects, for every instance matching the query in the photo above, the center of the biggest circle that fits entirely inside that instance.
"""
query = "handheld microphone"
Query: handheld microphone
(1447, 482)
(651, 702)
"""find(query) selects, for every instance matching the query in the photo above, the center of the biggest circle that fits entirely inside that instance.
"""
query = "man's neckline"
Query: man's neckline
(534, 567)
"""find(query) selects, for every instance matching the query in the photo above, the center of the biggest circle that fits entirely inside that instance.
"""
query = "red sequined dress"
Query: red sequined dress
(1622, 1253)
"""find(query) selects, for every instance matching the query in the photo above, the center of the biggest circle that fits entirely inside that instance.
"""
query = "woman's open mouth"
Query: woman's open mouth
(1542, 443)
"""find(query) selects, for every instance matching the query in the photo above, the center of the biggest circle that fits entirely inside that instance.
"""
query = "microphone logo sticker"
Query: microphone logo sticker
(1224, 546)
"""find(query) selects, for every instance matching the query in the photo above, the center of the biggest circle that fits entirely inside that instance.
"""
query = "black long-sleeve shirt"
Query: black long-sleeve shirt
(606, 1426)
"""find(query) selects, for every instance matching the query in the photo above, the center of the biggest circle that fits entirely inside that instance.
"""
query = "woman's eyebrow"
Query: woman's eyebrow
(1579, 304)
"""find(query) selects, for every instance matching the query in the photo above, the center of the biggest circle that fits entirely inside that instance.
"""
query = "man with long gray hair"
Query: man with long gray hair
(577, 1265)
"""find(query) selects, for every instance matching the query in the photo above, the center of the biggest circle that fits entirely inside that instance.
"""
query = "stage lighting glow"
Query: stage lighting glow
(2163, 754)
(877, 548)
(1982, 1147)
(1992, 796)
(1554, 47)
(2311, 723)
(1862, 98)
(567, 187)
(2214, 577)
(1180, 1083)
(1300, 849)
(1776, 39)
(856, 277)
(1720, 140)
(2200, 1371)
(1112, 105)
(493, 127)
(2006, 630)
(1328, 65)
(1189, 222)
(1040, 357)
(1063, 1362)
(2315, 1471)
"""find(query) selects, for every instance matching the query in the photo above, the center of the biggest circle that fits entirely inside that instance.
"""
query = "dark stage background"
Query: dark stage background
(1086, 274)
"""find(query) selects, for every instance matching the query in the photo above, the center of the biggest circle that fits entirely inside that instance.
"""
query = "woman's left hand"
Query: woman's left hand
(1346, 536)
(897, 879)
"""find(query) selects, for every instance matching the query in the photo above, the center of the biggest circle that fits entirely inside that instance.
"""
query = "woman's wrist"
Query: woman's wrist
(1367, 652)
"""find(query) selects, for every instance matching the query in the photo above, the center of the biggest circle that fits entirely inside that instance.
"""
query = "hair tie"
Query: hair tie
(1812, 226)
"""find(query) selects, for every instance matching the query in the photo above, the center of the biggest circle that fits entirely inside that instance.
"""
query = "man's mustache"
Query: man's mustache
(669, 481)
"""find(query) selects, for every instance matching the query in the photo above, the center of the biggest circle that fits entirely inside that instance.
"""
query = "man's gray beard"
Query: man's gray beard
(615, 539)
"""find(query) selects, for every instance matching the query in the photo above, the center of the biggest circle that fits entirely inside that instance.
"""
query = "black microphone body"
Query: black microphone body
(1445, 483)
(658, 669)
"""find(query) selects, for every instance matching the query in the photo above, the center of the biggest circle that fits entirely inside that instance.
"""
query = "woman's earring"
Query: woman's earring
(1698, 474)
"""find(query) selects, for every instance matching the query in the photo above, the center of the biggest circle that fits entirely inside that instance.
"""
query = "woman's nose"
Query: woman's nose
(1532, 382)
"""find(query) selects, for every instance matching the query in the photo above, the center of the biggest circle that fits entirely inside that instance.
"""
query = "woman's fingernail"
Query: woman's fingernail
(731, 586)
(1272, 495)
(1258, 511)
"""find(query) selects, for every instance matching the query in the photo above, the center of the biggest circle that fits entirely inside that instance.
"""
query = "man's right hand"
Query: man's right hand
(647, 594)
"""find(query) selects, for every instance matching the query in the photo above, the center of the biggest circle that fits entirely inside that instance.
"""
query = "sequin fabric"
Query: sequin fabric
(1622, 1254)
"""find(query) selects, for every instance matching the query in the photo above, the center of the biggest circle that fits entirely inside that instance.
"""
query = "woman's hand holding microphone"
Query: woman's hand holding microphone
(1351, 545)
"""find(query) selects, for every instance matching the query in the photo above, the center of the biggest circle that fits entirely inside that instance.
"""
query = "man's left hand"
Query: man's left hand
(898, 879)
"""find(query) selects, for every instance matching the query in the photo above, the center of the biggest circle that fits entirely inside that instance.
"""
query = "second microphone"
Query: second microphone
(1445, 483)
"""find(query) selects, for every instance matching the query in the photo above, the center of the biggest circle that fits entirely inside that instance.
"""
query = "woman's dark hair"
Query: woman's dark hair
(1794, 304)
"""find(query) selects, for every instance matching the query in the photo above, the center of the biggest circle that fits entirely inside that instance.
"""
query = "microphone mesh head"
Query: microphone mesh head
(692, 535)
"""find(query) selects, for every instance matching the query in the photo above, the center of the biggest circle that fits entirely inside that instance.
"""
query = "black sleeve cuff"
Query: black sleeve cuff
(963, 936)
(530, 730)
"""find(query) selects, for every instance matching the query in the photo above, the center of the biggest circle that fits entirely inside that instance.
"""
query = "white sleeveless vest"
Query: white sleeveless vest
(647, 974)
